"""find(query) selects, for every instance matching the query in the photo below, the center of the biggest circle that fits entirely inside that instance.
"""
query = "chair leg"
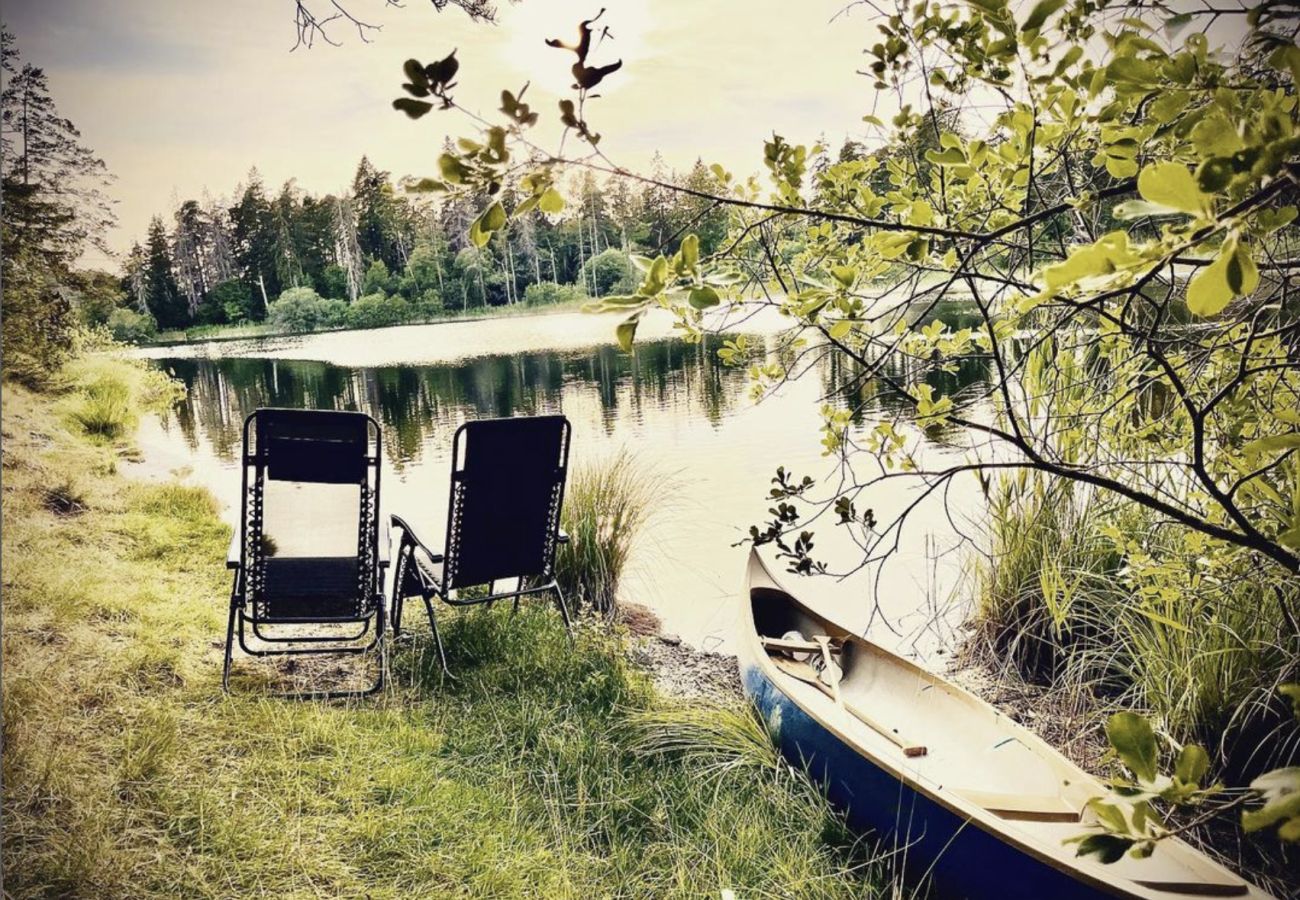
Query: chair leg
(437, 636)
(230, 640)
(564, 611)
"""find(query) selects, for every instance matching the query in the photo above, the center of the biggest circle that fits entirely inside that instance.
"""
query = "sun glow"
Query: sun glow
(619, 33)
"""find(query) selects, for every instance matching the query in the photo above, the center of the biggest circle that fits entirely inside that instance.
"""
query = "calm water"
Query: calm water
(685, 417)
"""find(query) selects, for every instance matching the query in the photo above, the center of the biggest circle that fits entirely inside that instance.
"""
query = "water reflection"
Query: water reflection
(671, 403)
(415, 403)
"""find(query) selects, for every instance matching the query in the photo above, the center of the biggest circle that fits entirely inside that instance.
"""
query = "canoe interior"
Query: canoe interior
(979, 763)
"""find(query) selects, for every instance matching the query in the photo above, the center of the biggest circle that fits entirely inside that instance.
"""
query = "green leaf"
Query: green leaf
(690, 251)
(1108, 848)
(1135, 742)
(414, 72)
(1170, 184)
(1209, 291)
(413, 108)
(1137, 209)
(626, 332)
(845, 275)
(551, 201)
(1214, 174)
(1280, 790)
(950, 157)
(494, 218)
(840, 329)
(1193, 763)
(453, 170)
(704, 297)
(1273, 443)
(1041, 12)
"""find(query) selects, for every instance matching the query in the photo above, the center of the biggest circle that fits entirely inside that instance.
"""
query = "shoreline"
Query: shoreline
(269, 332)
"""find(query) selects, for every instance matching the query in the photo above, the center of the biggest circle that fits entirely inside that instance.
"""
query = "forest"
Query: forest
(378, 255)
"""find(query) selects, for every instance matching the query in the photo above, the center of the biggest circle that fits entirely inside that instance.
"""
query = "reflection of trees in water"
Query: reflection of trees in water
(842, 378)
(414, 402)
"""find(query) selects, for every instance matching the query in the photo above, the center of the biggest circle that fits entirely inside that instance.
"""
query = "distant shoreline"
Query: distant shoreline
(228, 333)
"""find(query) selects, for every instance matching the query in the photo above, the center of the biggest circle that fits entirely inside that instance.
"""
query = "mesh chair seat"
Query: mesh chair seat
(311, 588)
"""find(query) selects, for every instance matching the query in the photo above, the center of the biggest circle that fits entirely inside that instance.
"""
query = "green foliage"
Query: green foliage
(377, 280)
(609, 272)
(38, 320)
(234, 299)
(334, 282)
(546, 293)
(333, 314)
(296, 310)
(96, 295)
(131, 327)
(378, 311)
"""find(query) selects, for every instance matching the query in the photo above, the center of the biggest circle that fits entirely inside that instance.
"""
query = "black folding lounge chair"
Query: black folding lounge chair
(307, 557)
(503, 520)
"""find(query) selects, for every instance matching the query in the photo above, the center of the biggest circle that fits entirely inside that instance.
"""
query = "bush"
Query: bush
(428, 304)
(376, 311)
(131, 327)
(613, 273)
(546, 293)
(333, 313)
(297, 309)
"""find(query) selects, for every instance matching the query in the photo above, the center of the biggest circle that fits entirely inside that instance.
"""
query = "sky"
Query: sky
(179, 96)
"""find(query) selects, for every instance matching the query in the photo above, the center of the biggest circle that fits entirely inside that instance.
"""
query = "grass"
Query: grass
(543, 771)
(606, 505)
(1203, 655)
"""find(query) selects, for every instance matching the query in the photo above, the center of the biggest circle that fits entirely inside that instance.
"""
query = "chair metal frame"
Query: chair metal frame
(410, 577)
(245, 557)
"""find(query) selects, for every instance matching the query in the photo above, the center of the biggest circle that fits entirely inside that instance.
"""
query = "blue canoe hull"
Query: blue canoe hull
(961, 859)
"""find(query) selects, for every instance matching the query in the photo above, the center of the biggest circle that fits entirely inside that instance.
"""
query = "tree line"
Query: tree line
(376, 254)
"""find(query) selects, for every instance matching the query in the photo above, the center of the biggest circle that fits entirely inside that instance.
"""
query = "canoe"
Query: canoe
(971, 800)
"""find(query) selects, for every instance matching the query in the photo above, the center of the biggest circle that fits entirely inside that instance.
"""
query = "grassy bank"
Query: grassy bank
(127, 773)
(203, 333)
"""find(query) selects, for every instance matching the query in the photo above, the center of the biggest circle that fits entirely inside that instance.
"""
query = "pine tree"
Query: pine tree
(253, 239)
(189, 260)
(53, 184)
(379, 216)
(162, 295)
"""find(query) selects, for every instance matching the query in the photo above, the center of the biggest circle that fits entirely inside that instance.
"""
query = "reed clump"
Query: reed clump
(606, 506)
(1101, 597)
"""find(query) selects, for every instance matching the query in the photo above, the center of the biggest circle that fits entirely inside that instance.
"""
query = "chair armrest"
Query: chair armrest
(385, 548)
(234, 553)
(561, 537)
(409, 536)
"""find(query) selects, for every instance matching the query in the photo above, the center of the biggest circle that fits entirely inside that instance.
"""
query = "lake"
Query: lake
(688, 419)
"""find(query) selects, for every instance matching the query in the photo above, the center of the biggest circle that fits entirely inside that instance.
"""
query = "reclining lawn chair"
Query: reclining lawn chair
(503, 520)
(307, 556)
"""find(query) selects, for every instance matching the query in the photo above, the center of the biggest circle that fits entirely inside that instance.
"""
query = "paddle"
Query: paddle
(828, 682)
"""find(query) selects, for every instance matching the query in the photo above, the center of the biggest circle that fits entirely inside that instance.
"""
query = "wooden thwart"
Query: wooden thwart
(806, 673)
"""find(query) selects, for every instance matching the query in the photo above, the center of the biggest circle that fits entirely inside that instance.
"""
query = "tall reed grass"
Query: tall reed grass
(1204, 655)
(606, 506)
